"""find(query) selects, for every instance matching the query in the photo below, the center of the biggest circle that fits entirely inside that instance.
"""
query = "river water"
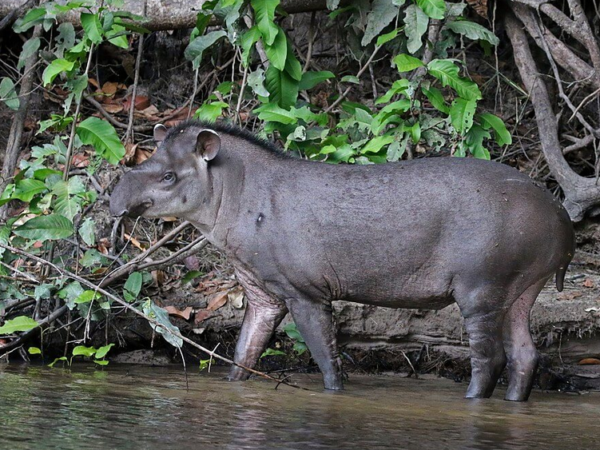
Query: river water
(132, 407)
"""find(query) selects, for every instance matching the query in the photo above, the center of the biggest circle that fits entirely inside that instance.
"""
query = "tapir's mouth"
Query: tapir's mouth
(136, 210)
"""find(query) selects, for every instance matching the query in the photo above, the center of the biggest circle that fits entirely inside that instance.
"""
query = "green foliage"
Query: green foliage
(21, 323)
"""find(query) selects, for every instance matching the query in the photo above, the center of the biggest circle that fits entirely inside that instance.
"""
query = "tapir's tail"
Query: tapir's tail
(562, 269)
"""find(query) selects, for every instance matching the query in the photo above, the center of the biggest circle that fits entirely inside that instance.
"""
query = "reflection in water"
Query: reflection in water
(128, 407)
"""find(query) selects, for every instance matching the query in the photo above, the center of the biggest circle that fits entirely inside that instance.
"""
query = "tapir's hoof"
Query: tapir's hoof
(516, 396)
(238, 374)
(333, 383)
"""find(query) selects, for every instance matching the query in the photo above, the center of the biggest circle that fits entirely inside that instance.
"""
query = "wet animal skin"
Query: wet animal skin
(414, 234)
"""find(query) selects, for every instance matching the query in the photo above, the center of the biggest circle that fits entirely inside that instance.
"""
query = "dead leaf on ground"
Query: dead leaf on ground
(217, 301)
(236, 298)
(103, 246)
(110, 88)
(184, 314)
(142, 155)
(113, 108)
(589, 362)
(141, 102)
(130, 150)
(80, 160)
(202, 315)
(94, 83)
(480, 7)
(134, 242)
(159, 277)
(570, 295)
(150, 113)
(588, 283)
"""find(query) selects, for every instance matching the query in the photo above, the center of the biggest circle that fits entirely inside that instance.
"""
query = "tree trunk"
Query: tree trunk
(171, 14)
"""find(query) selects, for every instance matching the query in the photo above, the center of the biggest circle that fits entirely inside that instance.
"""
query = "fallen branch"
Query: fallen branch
(127, 306)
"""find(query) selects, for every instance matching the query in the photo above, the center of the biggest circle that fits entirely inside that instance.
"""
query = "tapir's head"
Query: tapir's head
(175, 181)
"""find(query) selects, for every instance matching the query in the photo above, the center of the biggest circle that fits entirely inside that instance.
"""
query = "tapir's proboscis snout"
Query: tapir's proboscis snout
(422, 234)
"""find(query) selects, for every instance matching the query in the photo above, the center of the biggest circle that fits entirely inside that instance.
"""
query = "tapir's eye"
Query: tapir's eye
(169, 177)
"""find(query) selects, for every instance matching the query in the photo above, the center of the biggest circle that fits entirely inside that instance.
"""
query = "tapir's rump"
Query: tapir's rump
(414, 234)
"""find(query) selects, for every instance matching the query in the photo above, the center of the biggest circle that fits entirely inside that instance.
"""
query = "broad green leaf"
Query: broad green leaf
(162, 316)
(256, 81)
(292, 65)
(350, 79)
(21, 323)
(27, 188)
(117, 36)
(399, 86)
(30, 48)
(8, 94)
(473, 31)
(415, 132)
(103, 351)
(91, 258)
(43, 290)
(247, 41)
(385, 38)
(501, 134)
(102, 136)
(62, 358)
(82, 350)
(32, 18)
(376, 144)
(264, 15)
(191, 275)
(461, 114)
(277, 52)
(406, 63)
(436, 99)
(433, 8)
(196, 48)
(273, 113)
(132, 286)
(300, 347)
(65, 39)
(381, 15)
(473, 142)
(272, 352)
(43, 228)
(70, 292)
(416, 22)
(282, 87)
(447, 72)
(87, 297)
(292, 331)
(101, 362)
(56, 67)
(34, 351)
(92, 27)
(396, 149)
(209, 112)
(310, 79)
(87, 231)
(67, 203)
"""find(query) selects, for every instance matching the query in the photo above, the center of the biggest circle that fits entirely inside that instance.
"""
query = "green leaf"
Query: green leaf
(87, 297)
(27, 188)
(91, 258)
(433, 8)
(209, 112)
(92, 27)
(196, 48)
(65, 39)
(70, 292)
(385, 38)
(101, 362)
(56, 67)
(461, 114)
(43, 228)
(381, 15)
(21, 323)
(292, 65)
(67, 203)
(270, 112)
(247, 41)
(87, 232)
(264, 15)
(62, 358)
(277, 52)
(447, 72)
(8, 94)
(133, 286)
(82, 350)
(436, 99)
(300, 347)
(310, 79)
(32, 18)
(162, 317)
(30, 48)
(501, 134)
(282, 87)
(292, 331)
(34, 351)
(256, 81)
(117, 36)
(416, 22)
(406, 63)
(474, 142)
(191, 275)
(271, 352)
(473, 31)
(103, 351)
(376, 144)
(350, 79)
(102, 136)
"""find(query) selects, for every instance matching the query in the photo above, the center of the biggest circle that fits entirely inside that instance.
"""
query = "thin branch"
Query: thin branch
(129, 138)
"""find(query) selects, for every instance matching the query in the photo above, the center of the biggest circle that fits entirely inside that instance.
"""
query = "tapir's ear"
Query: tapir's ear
(208, 144)
(160, 132)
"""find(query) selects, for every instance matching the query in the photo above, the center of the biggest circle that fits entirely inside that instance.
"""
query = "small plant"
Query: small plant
(98, 354)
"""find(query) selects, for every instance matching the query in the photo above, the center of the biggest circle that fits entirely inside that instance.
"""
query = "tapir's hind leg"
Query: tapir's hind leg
(518, 344)
(484, 327)
(315, 323)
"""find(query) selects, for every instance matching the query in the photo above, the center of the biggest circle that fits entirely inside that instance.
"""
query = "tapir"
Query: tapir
(422, 234)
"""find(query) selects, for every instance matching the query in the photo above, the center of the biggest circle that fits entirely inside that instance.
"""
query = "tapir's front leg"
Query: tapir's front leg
(262, 316)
